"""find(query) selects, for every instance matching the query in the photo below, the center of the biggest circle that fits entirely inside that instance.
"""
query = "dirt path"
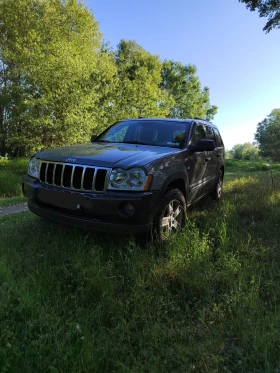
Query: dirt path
(7, 210)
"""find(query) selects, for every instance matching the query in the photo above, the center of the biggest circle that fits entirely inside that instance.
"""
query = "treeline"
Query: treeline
(267, 141)
(267, 136)
(246, 152)
(60, 83)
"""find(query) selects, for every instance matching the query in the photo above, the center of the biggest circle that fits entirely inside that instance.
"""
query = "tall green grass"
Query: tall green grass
(233, 165)
(206, 301)
(11, 172)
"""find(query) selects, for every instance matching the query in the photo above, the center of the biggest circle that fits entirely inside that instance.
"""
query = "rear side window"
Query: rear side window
(219, 141)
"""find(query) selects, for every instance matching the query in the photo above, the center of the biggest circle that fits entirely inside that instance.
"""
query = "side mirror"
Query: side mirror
(203, 146)
(93, 137)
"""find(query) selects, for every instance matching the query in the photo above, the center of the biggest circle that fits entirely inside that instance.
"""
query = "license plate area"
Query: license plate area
(65, 200)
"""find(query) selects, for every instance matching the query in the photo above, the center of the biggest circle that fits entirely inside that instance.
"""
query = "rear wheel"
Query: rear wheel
(218, 190)
(171, 214)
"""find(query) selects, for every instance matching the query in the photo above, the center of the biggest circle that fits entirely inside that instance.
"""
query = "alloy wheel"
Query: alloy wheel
(172, 218)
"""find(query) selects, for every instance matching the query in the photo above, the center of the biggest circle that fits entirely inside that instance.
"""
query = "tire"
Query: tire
(171, 215)
(218, 190)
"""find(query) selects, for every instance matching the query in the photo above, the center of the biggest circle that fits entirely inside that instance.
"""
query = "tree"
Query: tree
(53, 74)
(59, 83)
(247, 152)
(267, 8)
(268, 135)
(137, 91)
(182, 84)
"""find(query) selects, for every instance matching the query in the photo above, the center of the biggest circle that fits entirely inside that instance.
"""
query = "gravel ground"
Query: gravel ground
(7, 210)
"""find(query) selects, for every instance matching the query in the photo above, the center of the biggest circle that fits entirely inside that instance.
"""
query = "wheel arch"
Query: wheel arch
(176, 181)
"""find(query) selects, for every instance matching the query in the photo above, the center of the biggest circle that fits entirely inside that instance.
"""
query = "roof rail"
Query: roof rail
(205, 120)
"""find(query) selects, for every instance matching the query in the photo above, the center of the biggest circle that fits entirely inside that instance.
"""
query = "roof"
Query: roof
(160, 119)
(173, 120)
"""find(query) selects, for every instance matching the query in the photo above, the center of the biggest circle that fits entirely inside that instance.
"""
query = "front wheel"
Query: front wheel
(217, 193)
(171, 214)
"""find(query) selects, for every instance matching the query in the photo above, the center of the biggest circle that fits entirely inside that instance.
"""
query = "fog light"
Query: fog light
(129, 208)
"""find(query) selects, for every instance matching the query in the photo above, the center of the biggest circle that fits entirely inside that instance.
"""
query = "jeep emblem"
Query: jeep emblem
(73, 160)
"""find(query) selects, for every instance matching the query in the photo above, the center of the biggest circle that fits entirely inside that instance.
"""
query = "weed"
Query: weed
(11, 172)
(206, 301)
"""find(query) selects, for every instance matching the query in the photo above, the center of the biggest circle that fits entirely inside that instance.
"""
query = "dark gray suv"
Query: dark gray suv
(138, 175)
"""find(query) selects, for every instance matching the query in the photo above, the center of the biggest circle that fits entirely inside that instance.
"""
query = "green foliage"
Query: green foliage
(266, 8)
(11, 201)
(233, 165)
(138, 79)
(53, 74)
(247, 151)
(182, 84)
(11, 171)
(60, 83)
(229, 154)
(268, 135)
(207, 301)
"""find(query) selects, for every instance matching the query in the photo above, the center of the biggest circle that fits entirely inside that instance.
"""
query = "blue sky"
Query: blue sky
(234, 57)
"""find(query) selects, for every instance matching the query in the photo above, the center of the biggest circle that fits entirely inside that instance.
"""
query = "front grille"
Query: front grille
(75, 177)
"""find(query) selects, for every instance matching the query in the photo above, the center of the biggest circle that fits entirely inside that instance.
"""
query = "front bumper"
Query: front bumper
(100, 212)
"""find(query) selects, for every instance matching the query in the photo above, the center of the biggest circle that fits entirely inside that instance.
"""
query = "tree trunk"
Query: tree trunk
(3, 147)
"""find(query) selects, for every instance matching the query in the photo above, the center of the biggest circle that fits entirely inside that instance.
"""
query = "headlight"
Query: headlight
(33, 167)
(133, 179)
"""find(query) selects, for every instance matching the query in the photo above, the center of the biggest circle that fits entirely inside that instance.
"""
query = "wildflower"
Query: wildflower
(78, 328)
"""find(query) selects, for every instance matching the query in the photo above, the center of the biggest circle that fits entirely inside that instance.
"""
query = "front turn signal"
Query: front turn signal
(148, 182)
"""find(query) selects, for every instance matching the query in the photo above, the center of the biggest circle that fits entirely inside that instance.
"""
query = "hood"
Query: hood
(107, 155)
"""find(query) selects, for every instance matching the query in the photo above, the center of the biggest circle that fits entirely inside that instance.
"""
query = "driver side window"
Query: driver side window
(198, 134)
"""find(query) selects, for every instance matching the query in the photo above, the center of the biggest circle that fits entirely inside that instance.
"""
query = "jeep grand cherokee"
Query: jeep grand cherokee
(138, 175)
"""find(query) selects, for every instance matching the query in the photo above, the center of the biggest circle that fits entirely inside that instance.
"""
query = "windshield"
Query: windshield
(147, 132)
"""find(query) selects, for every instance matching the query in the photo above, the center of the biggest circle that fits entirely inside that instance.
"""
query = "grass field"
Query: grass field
(11, 172)
(206, 301)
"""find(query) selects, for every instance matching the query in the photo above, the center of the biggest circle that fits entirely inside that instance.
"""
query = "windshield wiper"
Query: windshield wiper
(134, 142)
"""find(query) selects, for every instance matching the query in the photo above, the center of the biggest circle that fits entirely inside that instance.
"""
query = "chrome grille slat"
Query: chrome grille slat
(46, 172)
(72, 176)
(107, 179)
(83, 176)
(93, 180)
(76, 179)
(62, 172)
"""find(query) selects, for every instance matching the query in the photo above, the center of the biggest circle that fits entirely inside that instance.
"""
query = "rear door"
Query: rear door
(220, 149)
(212, 160)
(196, 165)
